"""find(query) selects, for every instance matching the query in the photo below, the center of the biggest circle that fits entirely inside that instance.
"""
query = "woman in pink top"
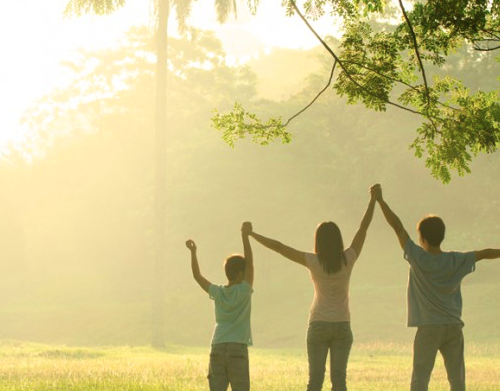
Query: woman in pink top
(330, 267)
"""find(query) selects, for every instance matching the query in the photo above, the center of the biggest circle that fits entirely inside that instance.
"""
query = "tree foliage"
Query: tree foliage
(240, 123)
(402, 62)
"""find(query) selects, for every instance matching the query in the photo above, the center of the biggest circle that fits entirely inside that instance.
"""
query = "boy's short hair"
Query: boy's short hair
(233, 265)
(432, 228)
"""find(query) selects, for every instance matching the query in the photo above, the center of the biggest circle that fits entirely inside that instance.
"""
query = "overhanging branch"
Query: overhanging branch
(316, 97)
(395, 80)
(417, 52)
(480, 49)
(422, 68)
(325, 45)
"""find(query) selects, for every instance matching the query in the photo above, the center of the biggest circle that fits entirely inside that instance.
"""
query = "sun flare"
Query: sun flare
(43, 38)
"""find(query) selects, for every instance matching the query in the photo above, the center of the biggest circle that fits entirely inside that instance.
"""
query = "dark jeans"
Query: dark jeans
(449, 340)
(324, 336)
(229, 365)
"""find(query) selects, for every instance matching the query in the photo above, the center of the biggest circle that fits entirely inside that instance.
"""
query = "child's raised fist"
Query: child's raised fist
(190, 244)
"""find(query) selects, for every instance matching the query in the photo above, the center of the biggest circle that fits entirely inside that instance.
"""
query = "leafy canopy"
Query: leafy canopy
(401, 62)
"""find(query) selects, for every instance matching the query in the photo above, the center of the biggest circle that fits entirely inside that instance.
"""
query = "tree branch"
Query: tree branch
(307, 106)
(491, 33)
(417, 52)
(422, 69)
(315, 98)
(478, 48)
(325, 45)
(395, 80)
(381, 74)
(488, 40)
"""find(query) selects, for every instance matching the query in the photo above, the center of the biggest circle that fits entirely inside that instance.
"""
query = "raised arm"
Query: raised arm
(195, 268)
(246, 228)
(287, 252)
(391, 217)
(488, 253)
(360, 236)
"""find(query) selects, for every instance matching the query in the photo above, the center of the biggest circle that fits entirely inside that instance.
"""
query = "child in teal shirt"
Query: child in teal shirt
(232, 333)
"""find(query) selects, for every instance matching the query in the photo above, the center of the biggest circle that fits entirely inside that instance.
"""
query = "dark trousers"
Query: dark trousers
(449, 340)
(322, 337)
(229, 365)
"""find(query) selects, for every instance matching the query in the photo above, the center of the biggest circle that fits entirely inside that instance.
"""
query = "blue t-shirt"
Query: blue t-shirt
(232, 313)
(434, 295)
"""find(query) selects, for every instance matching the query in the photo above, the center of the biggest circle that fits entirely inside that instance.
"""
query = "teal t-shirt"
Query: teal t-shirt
(232, 313)
(434, 295)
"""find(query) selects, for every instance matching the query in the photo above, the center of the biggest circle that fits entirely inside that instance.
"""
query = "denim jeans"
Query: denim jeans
(322, 337)
(449, 340)
(229, 365)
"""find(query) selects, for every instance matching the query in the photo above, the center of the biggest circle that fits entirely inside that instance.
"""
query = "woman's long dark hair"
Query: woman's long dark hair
(329, 247)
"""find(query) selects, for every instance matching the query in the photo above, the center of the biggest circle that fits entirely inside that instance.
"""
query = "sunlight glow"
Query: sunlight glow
(41, 39)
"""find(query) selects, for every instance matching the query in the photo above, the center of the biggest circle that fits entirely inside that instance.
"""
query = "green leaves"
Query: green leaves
(240, 123)
(464, 126)
(347, 9)
(369, 66)
(387, 64)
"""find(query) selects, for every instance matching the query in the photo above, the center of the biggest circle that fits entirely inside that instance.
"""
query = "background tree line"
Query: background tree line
(77, 224)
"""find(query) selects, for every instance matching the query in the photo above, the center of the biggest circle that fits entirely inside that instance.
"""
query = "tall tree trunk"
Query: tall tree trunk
(158, 304)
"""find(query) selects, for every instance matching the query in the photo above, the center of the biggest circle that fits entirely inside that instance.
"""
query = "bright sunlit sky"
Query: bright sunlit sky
(36, 37)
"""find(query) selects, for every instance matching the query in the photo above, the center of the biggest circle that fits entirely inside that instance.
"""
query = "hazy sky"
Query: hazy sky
(36, 38)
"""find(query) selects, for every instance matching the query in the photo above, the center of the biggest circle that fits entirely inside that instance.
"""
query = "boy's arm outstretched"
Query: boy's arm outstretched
(287, 252)
(246, 229)
(488, 253)
(359, 239)
(195, 268)
(391, 217)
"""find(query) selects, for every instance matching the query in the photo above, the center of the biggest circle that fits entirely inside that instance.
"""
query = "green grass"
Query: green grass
(35, 367)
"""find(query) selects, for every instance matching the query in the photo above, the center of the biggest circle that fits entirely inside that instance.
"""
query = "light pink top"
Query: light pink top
(331, 291)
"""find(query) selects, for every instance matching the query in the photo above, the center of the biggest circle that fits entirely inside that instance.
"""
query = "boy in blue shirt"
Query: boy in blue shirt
(232, 333)
(434, 297)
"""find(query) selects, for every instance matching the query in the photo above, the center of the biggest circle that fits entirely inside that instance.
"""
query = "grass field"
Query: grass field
(384, 367)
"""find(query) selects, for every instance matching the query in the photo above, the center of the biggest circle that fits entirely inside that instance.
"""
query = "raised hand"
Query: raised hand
(376, 192)
(246, 228)
(190, 244)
